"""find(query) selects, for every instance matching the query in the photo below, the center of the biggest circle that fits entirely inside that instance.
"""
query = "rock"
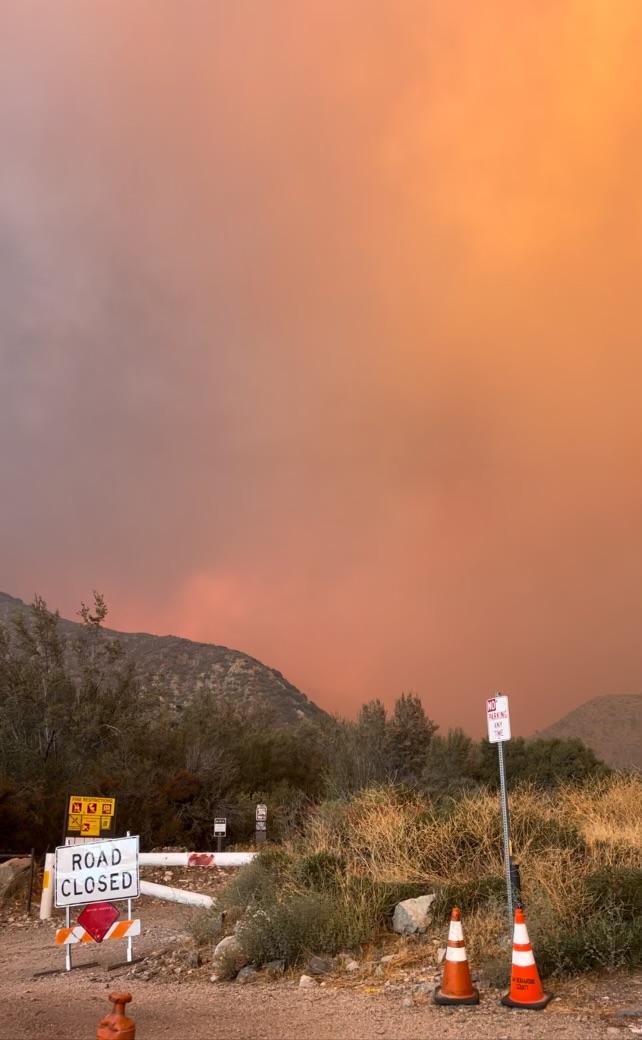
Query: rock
(413, 915)
(441, 954)
(229, 956)
(388, 958)
(246, 974)
(424, 989)
(379, 971)
(352, 966)
(307, 982)
(274, 968)
(193, 959)
(319, 965)
(407, 1002)
(10, 870)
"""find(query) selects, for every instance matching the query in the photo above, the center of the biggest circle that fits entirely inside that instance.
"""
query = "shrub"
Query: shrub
(470, 895)
(205, 925)
(335, 886)
(293, 925)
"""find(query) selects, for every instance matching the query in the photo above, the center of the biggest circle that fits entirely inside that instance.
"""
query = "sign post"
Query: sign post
(261, 822)
(498, 719)
(220, 830)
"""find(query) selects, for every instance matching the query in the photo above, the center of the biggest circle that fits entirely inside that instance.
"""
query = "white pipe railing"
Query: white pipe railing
(175, 895)
(155, 859)
(195, 859)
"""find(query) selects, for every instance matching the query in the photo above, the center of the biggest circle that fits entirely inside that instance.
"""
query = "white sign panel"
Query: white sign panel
(498, 719)
(220, 825)
(100, 870)
(261, 811)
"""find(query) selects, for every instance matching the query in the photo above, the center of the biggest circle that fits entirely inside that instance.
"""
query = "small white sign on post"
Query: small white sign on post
(498, 719)
(220, 825)
(101, 870)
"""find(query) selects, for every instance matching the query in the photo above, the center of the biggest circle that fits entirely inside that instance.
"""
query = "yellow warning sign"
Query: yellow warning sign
(90, 817)
(90, 828)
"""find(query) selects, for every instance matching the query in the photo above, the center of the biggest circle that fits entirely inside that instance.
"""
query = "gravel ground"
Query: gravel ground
(191, 1007)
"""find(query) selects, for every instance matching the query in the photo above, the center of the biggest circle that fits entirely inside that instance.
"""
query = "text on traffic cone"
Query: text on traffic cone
(526, 990)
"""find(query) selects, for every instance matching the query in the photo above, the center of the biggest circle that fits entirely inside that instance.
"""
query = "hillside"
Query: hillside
(611, 726)
(179, 668)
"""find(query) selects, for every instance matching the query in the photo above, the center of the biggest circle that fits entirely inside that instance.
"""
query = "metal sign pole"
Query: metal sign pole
(503, 798)
(130, 941)
(68, 945)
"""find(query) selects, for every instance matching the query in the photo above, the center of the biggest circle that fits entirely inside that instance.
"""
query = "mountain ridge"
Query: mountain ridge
(611, 725)
(179, 669)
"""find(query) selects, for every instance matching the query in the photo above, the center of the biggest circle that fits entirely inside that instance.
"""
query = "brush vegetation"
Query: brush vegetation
(334, 886)
(76, 714)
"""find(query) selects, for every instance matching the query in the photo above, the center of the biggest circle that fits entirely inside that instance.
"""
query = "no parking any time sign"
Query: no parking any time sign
(498, 719)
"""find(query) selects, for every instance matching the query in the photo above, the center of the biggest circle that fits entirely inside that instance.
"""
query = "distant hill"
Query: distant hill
(179, 669)
(611, 726)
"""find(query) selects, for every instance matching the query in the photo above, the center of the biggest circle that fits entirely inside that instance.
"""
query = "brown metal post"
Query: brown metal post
(31, 873)
(117, 1026)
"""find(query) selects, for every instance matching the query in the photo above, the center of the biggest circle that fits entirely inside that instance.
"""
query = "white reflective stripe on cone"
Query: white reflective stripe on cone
(520, 935)
(455, 932)
(523, 958)
(456, 953)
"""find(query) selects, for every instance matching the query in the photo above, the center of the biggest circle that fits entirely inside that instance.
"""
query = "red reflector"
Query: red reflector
(97, 919)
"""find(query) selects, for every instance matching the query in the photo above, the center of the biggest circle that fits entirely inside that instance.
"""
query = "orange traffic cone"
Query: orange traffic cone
(525, 985)
(456, 984)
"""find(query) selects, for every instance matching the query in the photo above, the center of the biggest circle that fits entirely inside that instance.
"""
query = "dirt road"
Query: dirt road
(190, 1007)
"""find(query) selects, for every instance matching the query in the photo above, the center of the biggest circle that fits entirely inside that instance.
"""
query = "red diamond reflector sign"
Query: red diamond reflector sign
(97, 919)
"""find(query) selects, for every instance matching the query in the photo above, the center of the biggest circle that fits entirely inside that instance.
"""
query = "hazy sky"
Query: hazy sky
(321, 336)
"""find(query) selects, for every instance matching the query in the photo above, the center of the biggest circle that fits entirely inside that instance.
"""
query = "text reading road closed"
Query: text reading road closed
(97, 871)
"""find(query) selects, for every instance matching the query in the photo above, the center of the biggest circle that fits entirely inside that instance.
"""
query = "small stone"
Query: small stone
(379, 972)
(307, 982)
(274, 968)
(407, 1002)
(246, 974)
(352, 966)
(213, 978)
(319, 965)
(424, 989)
(388, 958)
(193, 959)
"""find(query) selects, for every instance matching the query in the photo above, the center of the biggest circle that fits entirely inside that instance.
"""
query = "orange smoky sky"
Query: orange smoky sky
(321, 336)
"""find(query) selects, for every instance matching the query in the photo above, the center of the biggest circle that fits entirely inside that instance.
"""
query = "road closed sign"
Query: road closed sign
(97, 871)
(498, 719)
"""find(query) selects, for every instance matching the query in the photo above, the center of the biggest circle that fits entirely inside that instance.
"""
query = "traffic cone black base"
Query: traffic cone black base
(444, 1001)
(535, 1005)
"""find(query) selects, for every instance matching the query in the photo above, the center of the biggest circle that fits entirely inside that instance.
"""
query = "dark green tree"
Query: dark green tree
(408, 737)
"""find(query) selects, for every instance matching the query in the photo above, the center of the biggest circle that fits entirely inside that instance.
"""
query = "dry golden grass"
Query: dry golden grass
(560, 838)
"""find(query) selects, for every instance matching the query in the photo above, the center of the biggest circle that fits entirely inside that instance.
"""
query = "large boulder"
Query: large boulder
(10, 871)
(229, 958)
(413, 915)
